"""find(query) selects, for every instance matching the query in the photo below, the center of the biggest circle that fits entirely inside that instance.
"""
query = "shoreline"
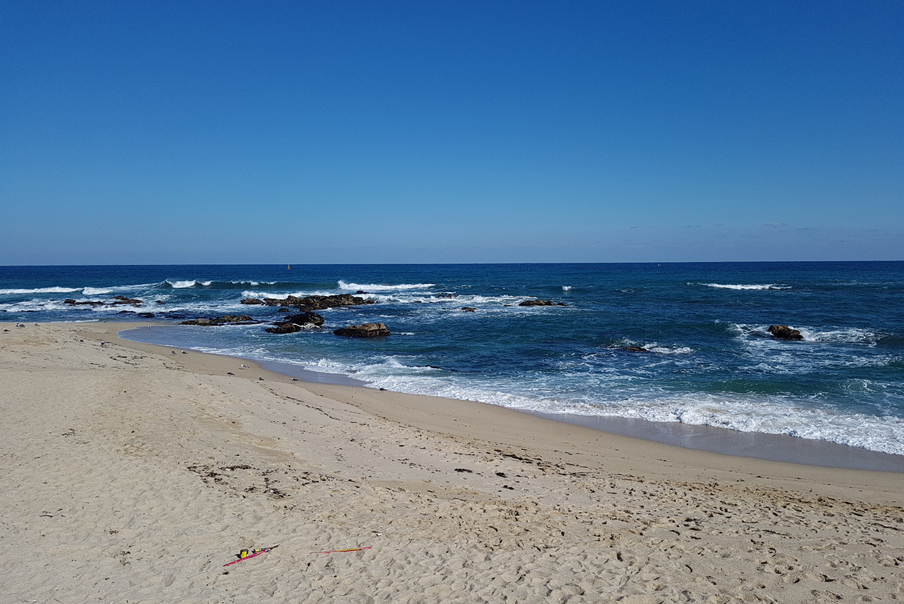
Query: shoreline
(490, 422)
(134, 472)
(750, 445)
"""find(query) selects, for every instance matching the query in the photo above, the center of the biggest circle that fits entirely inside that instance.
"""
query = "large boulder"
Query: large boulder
(252, 301)
(783, 332)
(366, 330)
(297, 323)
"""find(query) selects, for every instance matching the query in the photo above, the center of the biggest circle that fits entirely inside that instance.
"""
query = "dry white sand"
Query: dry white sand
(132, 474)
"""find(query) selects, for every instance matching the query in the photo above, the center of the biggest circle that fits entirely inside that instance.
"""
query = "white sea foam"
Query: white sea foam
(741, 286)
(377, 287)
(769, 414)
(655, 347)
(181, 284)
(96, 291)
(849, 335)
(39, 290)
(566, 288)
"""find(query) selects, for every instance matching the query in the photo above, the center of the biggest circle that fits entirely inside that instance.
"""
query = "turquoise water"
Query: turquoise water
(708, 357)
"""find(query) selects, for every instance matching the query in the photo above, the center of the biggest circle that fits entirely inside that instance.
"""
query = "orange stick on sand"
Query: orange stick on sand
(337, 551)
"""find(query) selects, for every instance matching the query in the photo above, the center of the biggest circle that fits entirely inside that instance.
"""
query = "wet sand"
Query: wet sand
(133, 472)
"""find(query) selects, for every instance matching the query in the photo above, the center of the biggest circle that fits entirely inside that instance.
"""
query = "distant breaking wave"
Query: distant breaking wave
(373, 287)
(40, 290)
(742, 286)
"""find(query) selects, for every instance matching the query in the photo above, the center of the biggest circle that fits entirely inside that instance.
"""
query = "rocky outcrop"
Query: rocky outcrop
(114, 301)
(469, 309)
(541, 303)
(783, 332)
(224, 320)
(297, 323)
(311, 302)
(366, 330)
(634, 349)
(72, 302)
(123, 300)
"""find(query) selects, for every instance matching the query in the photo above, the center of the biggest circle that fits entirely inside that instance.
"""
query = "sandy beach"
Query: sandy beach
(134, 472)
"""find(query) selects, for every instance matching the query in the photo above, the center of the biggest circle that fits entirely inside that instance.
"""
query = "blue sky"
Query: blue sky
(258, 132)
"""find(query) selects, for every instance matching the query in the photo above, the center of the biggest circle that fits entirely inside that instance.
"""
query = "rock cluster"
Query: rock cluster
(297, 323)
(114, 301)
(541, 303)
(309, 303)
(783, 332)
(365, 330)
(224, 320)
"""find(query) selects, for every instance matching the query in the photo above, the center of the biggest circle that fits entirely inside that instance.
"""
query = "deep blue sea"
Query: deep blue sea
(708, 357)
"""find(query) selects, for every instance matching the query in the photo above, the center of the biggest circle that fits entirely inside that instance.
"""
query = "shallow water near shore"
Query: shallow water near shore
(677, 344)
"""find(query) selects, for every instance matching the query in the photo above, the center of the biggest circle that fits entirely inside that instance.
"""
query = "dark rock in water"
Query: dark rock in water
(537, 303)
(306, 318)
(252, 301)
(468, 309)
(127, 312)
(285, 328)
(360, 293)
(123, 300)
(296, 323)
(783, 332)
(447, 296)
(146, 315)
(160, 302)
(366, 330)
(116, 301)
(284, 309)
(72, 302)
(561, 304)
(224, 320)
(634, 349)
(315, 302)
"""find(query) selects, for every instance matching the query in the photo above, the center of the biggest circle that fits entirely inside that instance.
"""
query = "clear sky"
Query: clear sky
(428, 131)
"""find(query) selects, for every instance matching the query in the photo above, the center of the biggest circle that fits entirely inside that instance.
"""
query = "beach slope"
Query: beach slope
(134, 472)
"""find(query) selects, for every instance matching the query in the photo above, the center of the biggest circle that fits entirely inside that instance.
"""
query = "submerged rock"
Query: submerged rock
(365, 330)
(783, 332)
(469, 309)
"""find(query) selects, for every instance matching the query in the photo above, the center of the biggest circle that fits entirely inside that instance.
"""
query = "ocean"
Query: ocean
(674, 343)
